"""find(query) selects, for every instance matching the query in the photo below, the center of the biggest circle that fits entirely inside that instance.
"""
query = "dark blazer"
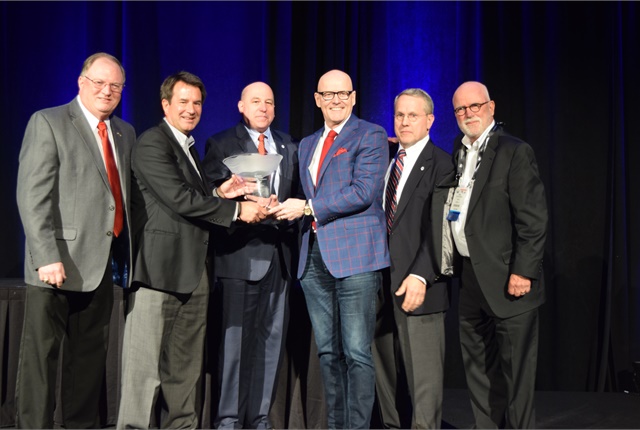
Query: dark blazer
(507, 223)
(410, 242)
(347, 199)
(64, 197)
(245, 251)
(173, 210)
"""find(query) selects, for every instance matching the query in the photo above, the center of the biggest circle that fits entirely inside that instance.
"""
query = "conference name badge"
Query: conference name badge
(456, 205)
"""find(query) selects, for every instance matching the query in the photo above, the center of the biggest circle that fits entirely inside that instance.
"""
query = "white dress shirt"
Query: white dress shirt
(270, 147)
(185, 142)
(93, 124)
(466, 180)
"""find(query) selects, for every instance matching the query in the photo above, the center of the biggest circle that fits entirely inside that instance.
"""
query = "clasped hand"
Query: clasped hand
(290, 209)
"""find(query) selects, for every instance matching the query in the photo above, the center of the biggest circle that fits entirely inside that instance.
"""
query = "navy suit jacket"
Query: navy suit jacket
(347, 199)
(410, 241)
(244, 251)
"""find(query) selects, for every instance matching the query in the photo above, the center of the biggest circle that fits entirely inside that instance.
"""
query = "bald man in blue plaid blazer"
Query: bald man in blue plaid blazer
(344, 247)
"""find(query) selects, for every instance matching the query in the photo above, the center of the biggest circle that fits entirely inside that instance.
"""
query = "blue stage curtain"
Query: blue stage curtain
(564, 76)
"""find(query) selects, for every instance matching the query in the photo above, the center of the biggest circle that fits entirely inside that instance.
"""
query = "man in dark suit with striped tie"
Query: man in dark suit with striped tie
(414, 297)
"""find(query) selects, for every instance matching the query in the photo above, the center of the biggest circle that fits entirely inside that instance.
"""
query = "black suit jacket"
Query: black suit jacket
(245, 251)
(506, 223)
(173, 210)
(410, 242)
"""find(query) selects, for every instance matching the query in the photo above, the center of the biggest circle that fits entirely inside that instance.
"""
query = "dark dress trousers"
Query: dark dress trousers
(254, 266)
(420, 334)
(505, 231)
(67, 210)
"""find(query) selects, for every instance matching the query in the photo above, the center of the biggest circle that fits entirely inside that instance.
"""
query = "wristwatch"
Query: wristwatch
(307, 208)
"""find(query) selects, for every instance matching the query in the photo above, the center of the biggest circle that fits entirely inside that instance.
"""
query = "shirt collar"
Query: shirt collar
(253, 134)
(479, 140)
(338, 129)
(93, 121)
(185, 141)
(414, 150)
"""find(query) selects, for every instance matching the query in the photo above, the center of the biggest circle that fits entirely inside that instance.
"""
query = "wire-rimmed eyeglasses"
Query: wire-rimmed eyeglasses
(98, 85)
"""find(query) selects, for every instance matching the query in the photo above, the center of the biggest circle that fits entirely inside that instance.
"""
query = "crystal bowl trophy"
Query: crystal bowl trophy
(256, 168)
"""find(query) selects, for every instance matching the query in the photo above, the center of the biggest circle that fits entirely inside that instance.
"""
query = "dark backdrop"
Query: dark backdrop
(564, 76)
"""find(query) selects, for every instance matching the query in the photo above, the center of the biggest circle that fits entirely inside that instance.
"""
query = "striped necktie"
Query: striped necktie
(392, 186)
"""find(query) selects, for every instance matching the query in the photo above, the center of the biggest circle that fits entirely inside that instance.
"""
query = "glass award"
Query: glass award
(255, 168)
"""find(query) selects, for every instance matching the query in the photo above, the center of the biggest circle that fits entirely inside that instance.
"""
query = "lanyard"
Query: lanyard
(462, 155)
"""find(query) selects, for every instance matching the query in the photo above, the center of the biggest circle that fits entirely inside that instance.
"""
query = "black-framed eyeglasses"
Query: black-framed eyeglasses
(329, 95)
(98, 85)
(412, 117)
(460, 111)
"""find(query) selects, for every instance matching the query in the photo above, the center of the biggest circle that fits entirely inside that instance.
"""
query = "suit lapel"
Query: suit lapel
(197, 179)
(483, 172)
(123, 160)
(284, 187)
(82, 126)
(244, 141)
(345, 135)
(415, 177)
(305, 161)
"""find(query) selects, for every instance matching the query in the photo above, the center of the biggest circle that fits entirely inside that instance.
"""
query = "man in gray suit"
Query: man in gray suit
(254, 268)
(73, 197)
(173, 211)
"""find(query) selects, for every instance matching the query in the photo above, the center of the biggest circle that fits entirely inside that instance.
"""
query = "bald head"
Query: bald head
(336, 110)
(257, 106)
(335, 77)
(472, 87)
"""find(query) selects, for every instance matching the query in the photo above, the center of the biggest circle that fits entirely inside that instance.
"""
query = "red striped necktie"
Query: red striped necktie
(392, 187)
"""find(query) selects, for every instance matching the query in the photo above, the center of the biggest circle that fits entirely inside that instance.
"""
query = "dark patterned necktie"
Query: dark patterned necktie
(392, 186)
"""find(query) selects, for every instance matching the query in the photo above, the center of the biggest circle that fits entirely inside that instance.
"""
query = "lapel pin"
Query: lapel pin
(421, 167)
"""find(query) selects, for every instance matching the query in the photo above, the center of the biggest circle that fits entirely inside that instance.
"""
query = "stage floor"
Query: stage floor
(558, 410)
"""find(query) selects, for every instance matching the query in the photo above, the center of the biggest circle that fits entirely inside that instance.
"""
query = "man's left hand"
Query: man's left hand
(290, 209)
(414, 290)
(518, 285)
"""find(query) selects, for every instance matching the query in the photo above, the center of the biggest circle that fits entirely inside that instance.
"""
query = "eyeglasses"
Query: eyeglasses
(413, 117)
(460, 111)
(98, 85)
(329, 95)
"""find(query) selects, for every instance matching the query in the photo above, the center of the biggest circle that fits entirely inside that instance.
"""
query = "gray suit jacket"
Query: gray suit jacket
(245, 251)
(64, 197)
(173, 211)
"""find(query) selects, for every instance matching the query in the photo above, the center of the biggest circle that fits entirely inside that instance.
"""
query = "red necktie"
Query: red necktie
(328, 141)
(392, 186)
(261, 148)
(112, 174)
